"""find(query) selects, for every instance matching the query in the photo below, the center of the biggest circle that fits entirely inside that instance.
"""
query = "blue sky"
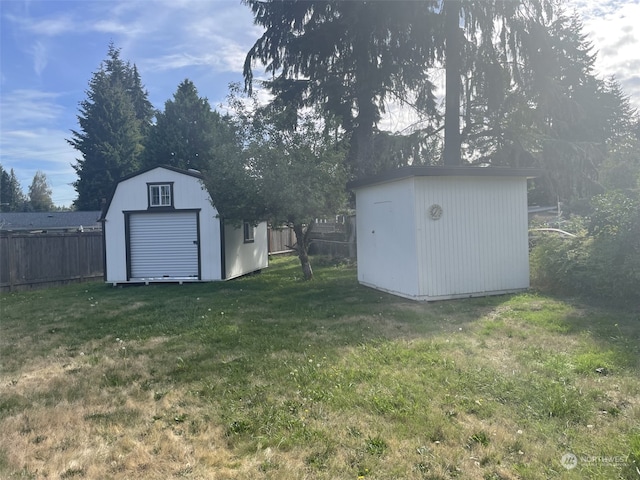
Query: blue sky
(50, 49)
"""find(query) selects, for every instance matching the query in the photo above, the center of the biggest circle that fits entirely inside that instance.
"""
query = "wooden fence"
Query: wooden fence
(280, 240)
(334, 237)
(37, 260)
(40, 260)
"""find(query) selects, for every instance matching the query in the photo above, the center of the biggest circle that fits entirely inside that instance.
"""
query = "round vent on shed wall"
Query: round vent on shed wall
(435, 211)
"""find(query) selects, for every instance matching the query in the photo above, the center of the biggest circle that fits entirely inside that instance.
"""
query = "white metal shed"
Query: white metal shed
(159, 225)
(434, 233)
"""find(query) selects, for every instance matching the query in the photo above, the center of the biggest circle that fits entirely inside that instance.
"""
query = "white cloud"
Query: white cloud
(127, 30)
(220, 58)
(31, 140)
(28, 107)
(45, 27)
(45, 149)
(615, 32)
(40, 60)
(211, 34)
(176, 61)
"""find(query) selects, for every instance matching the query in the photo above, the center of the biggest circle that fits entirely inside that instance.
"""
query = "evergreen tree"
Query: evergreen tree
(40, 193)
(113, 119)
(582, 121)
(521, 87)
(557, 115)
(621, 167)
(185, 133)
(351, 57)
(348, 58)
(142, 106)
(11, 197)
(487, 50)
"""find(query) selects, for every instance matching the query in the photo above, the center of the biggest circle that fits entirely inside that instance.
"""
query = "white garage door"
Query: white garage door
(163, 245)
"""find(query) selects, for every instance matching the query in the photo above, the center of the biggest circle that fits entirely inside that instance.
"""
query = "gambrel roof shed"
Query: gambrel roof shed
(160, 225)
(432, 233)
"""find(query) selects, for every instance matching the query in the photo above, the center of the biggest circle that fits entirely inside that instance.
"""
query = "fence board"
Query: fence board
(44, 259)
(40, 260)
(281, 239)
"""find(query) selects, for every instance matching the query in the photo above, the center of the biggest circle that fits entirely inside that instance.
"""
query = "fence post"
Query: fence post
(81, 265)
(11, 258)
(269, 230)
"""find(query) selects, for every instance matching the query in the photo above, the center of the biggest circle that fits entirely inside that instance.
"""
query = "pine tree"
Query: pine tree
(11, 197)
(621, 167)
(185, 133)
(489, 49)
(352, 57)
(141, 104)
(348, 58)
(113, 119)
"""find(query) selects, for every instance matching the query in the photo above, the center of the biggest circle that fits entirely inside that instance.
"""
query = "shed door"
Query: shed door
(163, 245)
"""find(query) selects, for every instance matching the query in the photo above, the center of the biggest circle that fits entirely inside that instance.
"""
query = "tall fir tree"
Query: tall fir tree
(349, 58)
(353, 57)
(562, 118)
(486, 50)
(11, 197)
(185, 133)
(621, 167)
(113, 120)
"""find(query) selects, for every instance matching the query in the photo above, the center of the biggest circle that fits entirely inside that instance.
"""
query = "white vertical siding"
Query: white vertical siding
(386, 237)
(479, 245)
(242, 258)
(115, 241)
(188, 193)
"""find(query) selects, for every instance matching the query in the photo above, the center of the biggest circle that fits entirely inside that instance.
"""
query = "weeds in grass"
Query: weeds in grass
(376, 446)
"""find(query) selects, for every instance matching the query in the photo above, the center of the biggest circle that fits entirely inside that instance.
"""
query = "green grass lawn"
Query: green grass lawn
(271, 377)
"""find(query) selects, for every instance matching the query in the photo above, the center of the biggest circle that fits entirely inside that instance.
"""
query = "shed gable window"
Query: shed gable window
(160, 194)
(249, 232)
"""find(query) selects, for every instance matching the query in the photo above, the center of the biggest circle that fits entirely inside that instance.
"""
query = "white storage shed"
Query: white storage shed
(159, 225)
(434, 233)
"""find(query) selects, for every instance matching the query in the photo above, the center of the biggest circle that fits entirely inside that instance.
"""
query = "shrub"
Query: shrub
(602, 261)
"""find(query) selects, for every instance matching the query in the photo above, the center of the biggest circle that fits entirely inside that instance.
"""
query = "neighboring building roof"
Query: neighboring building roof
(442, 171)
(19, 221)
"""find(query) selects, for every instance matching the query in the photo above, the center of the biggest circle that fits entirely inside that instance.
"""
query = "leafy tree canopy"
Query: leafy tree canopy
(40, 193)
(284, 175)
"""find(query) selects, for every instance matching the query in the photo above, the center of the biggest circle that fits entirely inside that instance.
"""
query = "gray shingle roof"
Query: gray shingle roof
(49, 220)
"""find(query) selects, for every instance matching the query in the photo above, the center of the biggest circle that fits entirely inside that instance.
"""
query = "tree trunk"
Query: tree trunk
(453, 69)
(361, 150)
(302, 248)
